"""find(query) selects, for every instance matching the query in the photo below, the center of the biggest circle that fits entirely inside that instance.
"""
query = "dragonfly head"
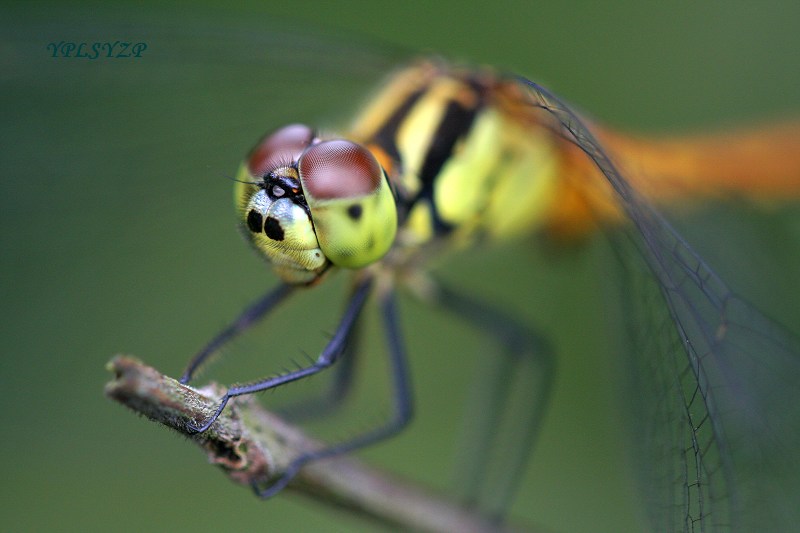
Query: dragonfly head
(307, 204)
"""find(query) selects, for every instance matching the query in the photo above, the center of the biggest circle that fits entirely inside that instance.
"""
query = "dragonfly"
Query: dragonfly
(714, 379)
(449, 156)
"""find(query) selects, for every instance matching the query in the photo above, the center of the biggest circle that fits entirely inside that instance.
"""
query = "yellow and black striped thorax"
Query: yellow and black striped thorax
(465, 152)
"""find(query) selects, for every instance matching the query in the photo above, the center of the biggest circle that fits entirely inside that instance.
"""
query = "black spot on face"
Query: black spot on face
(254, 223)
(355, 211)
(273, 229)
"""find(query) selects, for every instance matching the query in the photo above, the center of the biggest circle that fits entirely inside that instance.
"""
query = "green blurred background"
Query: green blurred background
(118, 235)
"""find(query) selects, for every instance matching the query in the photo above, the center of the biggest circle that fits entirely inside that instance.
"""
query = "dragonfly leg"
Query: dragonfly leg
(506, 405)
(402, 405)
(329, 355)
(333, 396)
(255, 312)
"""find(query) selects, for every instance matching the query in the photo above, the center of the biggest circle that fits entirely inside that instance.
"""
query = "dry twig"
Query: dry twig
(252, 446)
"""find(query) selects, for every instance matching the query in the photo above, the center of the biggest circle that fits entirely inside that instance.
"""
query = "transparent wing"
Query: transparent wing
(715, 382)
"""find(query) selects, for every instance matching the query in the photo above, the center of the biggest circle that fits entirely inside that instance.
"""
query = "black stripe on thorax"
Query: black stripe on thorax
(454, 126)
(386, 136)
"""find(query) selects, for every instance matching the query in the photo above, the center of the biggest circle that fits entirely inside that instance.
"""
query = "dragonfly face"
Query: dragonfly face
(307, 204)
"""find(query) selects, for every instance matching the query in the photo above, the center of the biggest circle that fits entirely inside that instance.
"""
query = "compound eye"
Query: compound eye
(337, 170)
(351, 204)
(280, 148)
